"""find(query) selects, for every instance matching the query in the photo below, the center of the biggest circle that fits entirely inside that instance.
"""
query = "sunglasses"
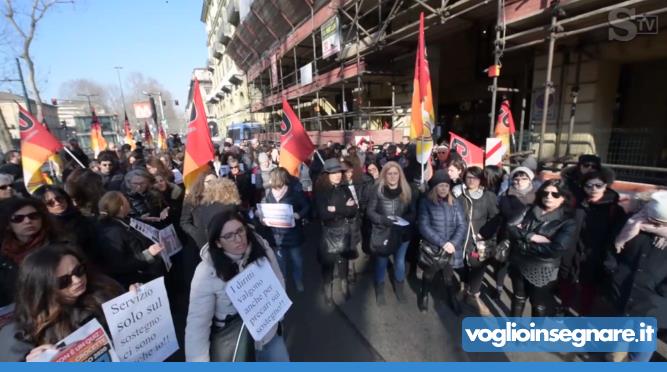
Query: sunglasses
(554, 194)
(66, 280)
(5, 187)
(18, 218)
(54, 201)
(234, 235)
(598, 186)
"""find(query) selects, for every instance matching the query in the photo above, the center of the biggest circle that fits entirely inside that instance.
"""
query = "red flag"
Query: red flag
(148, 137)
(295, 145)
(161, 139)
(198, 145)
(471, 154)
(505, 124)
(423, 116)
(129, 138)
(37, 146)
(97, 141)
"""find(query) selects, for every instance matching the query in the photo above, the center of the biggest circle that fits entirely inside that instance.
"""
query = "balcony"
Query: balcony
(233, 16)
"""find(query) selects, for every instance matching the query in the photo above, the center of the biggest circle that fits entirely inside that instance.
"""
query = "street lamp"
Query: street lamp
(120, 84)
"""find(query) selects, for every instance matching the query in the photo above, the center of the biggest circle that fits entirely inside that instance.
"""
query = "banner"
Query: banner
(330, 33)
(495, 150)
(277, 214)
(472, 155)
(153, 234)
(143, 110)
(6, 314)
(141, 325)
(168, 238)
(258, 296)
(97, 141)
(505, 124)
(89, 343)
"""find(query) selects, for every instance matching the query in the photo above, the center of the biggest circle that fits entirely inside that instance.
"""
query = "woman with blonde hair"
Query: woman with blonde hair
(392, 211)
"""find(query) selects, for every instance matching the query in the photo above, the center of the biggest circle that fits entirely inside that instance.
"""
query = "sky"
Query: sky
(163, 39)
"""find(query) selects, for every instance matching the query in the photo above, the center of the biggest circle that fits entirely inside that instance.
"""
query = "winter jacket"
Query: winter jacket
(149, 203)
(173, 198)
(440, 223)
(290, 237)
(639, 280)
(512, 207)
(209, 304)
(477, 212)
(601, 223)
(381, 206)
(122, 253)
(187, 222)
(244, 185)
(572, 177)
(335, 196)
(112, 182)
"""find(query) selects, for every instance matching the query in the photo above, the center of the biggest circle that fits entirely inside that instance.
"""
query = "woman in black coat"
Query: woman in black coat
(122, 252)
(288, 240)
(338, 213)
(544, 235)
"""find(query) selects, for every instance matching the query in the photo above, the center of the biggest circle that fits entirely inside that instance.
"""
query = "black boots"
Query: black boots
(518, 304)
(379, 294)
(422, 302)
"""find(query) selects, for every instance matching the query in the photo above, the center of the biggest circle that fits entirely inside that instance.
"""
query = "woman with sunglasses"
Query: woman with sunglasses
(213, 323)
(603, 219)
(6, 186)
(26, 227)
(573, 175)
(546, 233)
(79, 229)
(56, 295)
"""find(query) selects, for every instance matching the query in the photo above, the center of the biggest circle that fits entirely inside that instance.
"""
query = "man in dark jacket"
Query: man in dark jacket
(573, 175)
(242, 181)
(112, 178)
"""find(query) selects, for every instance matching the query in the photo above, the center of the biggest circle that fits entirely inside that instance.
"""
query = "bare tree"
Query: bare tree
(26, 32)
(72, 88)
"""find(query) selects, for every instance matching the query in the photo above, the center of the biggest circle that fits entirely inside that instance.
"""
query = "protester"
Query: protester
(112, 178)
(120, 251)
(442, 226)
(145, 204)
(154, 166)
(12, 164)
(573, 175)
(391, 203)
(56, 294)
(219, 194)
(172, 194)
(338, 214)
(242, 181)
(213, 323)
(373, 170)
(455, 169)
(6, 186)
(85, 188)
(547, 232)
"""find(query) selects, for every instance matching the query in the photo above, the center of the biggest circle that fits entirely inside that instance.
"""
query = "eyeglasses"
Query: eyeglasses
(554, 194)
(54, 201)
(18, 218)
(598, 186)
(234, 235)
(5, 187)
(66, 280)
(589, 165)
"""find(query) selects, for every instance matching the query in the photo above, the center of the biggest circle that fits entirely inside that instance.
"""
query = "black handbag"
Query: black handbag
(385, 240)
(502, 251)
(336, 239)
(431, 257)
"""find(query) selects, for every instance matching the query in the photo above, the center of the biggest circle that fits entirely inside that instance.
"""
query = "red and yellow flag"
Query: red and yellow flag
(129, 138)
(37, 146)
(97, 141)
(423, 115)
(148, 136)
(198, 146)
(505, 124)
(472, 155)
(161, 139)
(295, 145)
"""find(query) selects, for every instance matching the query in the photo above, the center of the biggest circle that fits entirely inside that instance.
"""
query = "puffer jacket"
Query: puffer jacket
(381, 206)
(290, 237)
(209, 303)
(477, 212)
(440, 223)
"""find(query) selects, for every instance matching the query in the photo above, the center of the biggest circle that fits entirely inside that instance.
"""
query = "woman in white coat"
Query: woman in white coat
(213, 324)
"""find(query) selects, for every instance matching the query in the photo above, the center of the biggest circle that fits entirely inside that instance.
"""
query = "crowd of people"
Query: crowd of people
(568, 246)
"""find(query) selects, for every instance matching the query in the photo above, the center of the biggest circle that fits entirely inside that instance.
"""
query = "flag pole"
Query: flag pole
(74, 157)
(319, 156)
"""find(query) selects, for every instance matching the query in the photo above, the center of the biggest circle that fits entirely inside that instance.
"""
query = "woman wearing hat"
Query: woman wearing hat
(442, 226)
(338, 213)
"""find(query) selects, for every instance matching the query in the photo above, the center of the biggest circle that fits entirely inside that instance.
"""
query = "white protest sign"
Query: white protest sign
(169, 240)
(141, 325)
(87, 344)
(277, 214)
(258, 296)
(150, 232)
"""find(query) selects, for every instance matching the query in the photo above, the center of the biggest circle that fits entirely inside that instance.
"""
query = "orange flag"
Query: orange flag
(129, 138)
(198, 145)
(161, 139)
(423, 115)
(472, 155)
(97, 141)
(295, 145)
(37, 146)
(505, 124)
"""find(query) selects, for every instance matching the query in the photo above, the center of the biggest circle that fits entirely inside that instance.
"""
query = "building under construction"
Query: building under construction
(599, 65)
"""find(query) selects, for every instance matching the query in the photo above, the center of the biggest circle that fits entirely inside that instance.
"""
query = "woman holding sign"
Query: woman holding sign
(213, 323)
(56, 294)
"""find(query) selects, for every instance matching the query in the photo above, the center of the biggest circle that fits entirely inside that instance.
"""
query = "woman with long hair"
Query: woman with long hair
(537, 243)
(338, 213)
(391, 204)
(455, 169)
(442, 226)
(27, 227)
(85, 187)
(56, 294)
(212, 319)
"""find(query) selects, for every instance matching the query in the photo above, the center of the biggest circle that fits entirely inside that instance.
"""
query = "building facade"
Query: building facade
(10, 117)
(75, 119)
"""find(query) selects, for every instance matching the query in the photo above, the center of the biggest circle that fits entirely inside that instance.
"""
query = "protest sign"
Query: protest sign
(150, 232)
(258, 296)
(277, 215)
(167, 237)
(6, 314)
(87, 344)
(169, 240)
(141, 325)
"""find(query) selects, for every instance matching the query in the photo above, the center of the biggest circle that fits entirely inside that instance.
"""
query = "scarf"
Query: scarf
(391, 193)
(476, 194)
(526, 196)
(17, 251)
(239, 259)
(279, 193)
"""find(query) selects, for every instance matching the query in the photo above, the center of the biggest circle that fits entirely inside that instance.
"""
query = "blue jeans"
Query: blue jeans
(294, 254)
(399, 264)
(640, 356)
(274, 351)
